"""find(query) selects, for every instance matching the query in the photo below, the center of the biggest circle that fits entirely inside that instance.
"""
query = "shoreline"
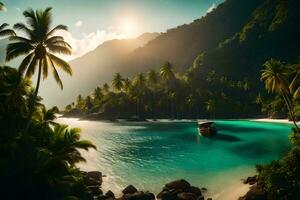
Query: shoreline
(268, 120)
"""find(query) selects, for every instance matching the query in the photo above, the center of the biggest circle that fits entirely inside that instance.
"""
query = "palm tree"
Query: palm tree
(105, 88)
(275, 76)
(39, 48)
(80, 102)
(152, 77)
(47, 117)
(127, 85)
(98, 95)
(295, 84)
(167, 75)
(139, 86)
(65, 145)
(166, 72)
(139, 80)
(117, 82)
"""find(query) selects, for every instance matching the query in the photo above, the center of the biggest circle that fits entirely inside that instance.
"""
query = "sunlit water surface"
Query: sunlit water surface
(149, 154)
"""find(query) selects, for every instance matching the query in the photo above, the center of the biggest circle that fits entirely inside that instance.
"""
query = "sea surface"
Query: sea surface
(149, 154)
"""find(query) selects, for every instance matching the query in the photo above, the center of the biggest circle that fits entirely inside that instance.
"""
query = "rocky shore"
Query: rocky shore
(175, 190)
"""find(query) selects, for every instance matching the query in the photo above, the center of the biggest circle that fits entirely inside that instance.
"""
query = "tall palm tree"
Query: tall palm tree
(105, 88)
(97, 95)
(295, 84)
(39, 48)
(139, 86)
(152, 77)
(275, 76)
(167, 74)
(117, 82)
(139, 80)
(127, 85)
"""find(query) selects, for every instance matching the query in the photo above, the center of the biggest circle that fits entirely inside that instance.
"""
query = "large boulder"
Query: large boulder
(180, 190)
(186, 196)
(93, 178)
(130, 189)
(255, 193)
(140, 196)
(110, 194)
(178, 185)
(95, 190)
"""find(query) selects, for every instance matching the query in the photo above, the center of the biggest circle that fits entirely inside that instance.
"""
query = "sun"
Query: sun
(129, 27)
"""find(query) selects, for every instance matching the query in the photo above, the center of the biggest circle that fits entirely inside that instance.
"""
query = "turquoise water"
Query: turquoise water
(150, 154)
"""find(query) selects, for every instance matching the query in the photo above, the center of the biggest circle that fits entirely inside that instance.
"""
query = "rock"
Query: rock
(139, 196)
(209, 198)
(95, 190)
(251, 180)
(195, 190)
(178, 184)
(168, 194)
(130, 189)
(95, 175)
(180, 190)
(204, 189)
(109, 194)
(255, 193)
(186, 196)
(93, 178)
(101, 197)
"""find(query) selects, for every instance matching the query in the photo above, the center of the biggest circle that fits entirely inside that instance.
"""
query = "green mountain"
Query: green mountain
(217, 58)
(272, 32)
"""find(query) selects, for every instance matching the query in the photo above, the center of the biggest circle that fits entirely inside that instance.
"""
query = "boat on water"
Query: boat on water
(206, 128)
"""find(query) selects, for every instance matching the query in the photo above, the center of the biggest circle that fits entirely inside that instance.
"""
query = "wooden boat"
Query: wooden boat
(206, 128)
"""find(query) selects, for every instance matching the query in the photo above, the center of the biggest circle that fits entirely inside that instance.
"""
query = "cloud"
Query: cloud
(88, 42)
(211, 8)
(78, 23)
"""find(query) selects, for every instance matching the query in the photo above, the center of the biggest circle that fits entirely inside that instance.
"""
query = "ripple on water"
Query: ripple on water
(149, 155)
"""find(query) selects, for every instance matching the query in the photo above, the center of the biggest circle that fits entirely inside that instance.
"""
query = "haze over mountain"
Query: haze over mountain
(94, 68)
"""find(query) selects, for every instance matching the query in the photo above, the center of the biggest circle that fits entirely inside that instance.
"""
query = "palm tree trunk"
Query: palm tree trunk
(289, 106)
(33, 99)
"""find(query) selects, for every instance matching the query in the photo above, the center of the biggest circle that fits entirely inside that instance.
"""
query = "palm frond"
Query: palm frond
(7, 32)
(57, 28)
(54, 48)
(17, 49)
(55, 74)
(4, 25)
(20, 39)
(31, 67)
(31, 19)
(54, 39)
(24, 28)
(60, 63)
(24, 64)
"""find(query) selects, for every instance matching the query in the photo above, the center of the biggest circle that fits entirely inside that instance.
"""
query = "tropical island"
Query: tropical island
(138, 103)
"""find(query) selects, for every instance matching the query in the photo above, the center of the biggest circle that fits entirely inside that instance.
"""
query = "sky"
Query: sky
(91, 22)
